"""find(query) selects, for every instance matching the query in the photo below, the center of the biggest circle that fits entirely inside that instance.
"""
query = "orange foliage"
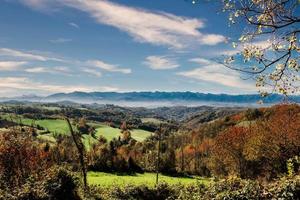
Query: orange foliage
(262, 148)
(21, 157)
(123, 151)
(237, 117)
(206, 145)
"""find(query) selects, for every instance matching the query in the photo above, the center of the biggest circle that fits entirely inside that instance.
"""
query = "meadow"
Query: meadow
(111, 180)
(59, 126)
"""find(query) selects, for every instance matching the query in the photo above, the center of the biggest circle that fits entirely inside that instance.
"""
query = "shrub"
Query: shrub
(234, 188)
(191, 192)
(62, 184)
(284, 188)
(142, 192)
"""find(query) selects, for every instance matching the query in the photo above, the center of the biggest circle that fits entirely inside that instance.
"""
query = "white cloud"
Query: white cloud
(219, 74)
(62, 69)
(24, 84)
(212, 39)
(37, 70)
(74, 25)
(10, 65)
(92, 72)
(61, 40)
(201, 61)
(108, 67)
(157, 28)
(25, 55)
(51, 70)
(160, 62)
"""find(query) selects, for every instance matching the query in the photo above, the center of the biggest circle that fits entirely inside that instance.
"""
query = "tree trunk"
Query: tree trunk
(80, 148)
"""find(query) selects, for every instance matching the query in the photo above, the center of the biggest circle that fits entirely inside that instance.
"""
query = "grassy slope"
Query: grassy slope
(152, 120)
(109, 133)
(53, 125)
(110, 180)
(59, 126)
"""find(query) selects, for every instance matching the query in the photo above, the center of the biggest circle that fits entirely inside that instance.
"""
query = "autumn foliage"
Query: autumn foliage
(259, 146)
(21, 157)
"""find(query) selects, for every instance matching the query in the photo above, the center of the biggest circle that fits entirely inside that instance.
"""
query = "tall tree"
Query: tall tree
(80, 147)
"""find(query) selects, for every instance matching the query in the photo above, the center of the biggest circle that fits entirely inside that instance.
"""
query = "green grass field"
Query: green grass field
(53, 125)
(108, 180)
(109, 133)
(152, 120)
(59, 126)
(140, 135)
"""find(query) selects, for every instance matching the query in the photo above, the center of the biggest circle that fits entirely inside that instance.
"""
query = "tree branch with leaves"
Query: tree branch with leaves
(268, 47)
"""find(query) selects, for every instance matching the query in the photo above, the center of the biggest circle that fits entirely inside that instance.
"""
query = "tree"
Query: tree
(81, 151)
(269, 44)
(21, 157)
(126, 135)
(230, 145)
(84, 128)
(158, 153)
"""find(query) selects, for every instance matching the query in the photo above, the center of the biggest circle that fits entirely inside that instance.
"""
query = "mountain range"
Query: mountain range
(178, 98)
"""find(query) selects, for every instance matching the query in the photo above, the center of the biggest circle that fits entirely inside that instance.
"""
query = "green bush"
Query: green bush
(62, 184)
(285, 188)
(57, 183)
(191, 192)
(234, 188)
(142, 192)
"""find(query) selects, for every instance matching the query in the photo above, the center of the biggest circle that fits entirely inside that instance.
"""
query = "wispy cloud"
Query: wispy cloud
(158, 28)
(212, 39)
(61, 40)
(161, 62)
(201, 61)
(108, 67)
(92, 72)
(11, 65)
(25, 84)
(74, 25)
(26, 55)
(50, 70)
(218, 74)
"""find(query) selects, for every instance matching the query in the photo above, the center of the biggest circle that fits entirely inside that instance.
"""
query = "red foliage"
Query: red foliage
(21, 157)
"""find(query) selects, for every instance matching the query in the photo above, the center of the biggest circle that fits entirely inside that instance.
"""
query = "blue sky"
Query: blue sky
(49, 46)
